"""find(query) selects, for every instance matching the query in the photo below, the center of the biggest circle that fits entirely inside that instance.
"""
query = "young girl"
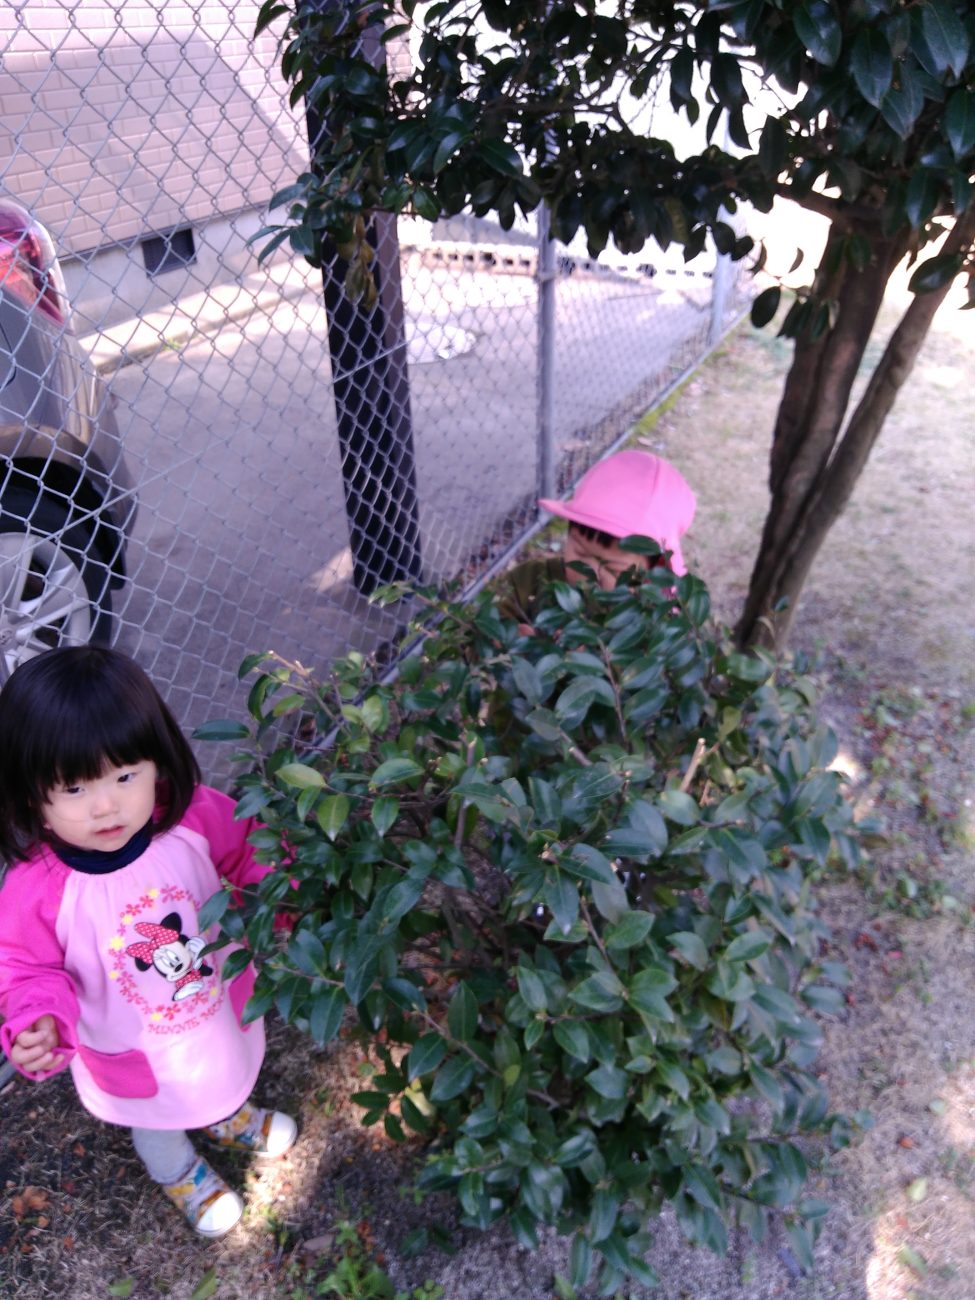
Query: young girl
(115, 846)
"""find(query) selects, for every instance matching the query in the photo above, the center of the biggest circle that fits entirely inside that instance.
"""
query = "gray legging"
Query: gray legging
(167, 1154)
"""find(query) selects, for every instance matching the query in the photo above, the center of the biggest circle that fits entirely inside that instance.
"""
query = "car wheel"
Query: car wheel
(53, 590)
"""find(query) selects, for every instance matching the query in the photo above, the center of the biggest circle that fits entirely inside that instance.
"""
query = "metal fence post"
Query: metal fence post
(722, 272)
(719, 297)
(545, 271)
(370, 380)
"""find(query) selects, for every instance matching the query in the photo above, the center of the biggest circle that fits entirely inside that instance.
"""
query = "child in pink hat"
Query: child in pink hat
(631, 493)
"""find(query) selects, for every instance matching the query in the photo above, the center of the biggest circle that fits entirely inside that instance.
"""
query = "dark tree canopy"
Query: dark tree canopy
(863, 111)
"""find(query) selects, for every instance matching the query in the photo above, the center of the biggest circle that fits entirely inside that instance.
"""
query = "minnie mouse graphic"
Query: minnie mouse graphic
(172, 954)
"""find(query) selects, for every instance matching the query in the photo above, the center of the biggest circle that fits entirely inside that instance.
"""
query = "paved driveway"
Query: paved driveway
(241, 542)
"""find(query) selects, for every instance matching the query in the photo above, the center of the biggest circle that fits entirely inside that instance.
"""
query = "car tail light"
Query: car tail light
(28, 265)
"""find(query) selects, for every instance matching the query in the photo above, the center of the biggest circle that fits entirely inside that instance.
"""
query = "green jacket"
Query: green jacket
(520, 588)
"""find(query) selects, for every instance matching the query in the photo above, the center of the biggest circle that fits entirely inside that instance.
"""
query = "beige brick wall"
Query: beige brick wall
(120, 119)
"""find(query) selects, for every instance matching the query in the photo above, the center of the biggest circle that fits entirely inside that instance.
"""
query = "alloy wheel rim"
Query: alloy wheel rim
(43, 599)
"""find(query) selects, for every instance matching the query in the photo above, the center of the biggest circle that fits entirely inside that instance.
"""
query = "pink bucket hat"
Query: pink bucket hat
(633, 492)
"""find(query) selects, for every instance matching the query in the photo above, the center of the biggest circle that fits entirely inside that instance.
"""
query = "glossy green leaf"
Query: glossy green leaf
(361, 971)
(946, 36)
(904, 101)
(395, 770)
(674, 1078)
(679, 807)
(580, 694)
(590, 864)
(332, 813)
(452, 1079)
(765, 306)
(447, 147)
(603, 1215)
(221, 729)
(572, 1038)
(872, 65)
(501, 157)
(691, 948)
(425, 1055)
(921, 196)
(300, 776)
(748, 668)
(213, 909)
(384, 812)
(935, 272)
(630, 931)
(600, 992)
(580, 1260)
(462, 1013)
(823, 998)
(958, 122)
(325, 1018)
(747, 947)
(819, 30)
(610, 899)
(532, 989)
(647, 991)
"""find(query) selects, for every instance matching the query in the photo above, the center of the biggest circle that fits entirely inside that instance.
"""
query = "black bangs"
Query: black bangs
(65, 717)
(593, 534)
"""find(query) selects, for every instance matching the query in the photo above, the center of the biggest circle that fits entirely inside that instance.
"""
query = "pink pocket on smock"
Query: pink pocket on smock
(120, 1074)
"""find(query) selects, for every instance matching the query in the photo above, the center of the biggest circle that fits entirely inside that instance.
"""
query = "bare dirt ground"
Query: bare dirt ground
(889, 610)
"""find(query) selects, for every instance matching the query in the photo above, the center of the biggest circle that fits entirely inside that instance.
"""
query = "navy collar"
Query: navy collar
(93, 862)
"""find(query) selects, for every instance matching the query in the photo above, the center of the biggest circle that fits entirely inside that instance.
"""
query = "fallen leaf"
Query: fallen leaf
(206, 1286)
(908, 1256)
(318, 1245)
(906, 1141)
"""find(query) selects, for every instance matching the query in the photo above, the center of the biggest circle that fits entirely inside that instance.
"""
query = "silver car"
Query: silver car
(66, 500)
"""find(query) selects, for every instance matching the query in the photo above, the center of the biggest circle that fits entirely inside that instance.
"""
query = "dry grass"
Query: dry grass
(889, 610)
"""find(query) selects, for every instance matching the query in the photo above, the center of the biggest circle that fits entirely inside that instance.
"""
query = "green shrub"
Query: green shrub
(565, 882)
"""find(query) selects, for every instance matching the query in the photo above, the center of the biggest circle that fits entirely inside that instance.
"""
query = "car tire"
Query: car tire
(54, 589)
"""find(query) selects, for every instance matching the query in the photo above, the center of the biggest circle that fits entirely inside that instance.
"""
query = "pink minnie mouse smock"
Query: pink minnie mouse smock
(150, 1031)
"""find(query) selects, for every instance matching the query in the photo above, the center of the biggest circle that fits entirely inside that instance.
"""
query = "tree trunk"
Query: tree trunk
(813, 469)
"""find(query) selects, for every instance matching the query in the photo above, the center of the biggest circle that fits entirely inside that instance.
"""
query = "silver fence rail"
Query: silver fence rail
(182, 466)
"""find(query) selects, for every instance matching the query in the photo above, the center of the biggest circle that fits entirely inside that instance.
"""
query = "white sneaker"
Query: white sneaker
(209, 1205)
(262, 1132)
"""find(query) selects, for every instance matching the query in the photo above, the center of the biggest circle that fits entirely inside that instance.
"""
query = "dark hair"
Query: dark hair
(592, 534)
(68, 714)
(607, 539)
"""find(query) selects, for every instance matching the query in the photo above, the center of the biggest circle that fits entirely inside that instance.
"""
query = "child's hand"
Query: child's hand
(35, 1049)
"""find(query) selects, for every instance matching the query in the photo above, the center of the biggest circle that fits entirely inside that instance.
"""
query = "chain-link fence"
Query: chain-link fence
(251, 458)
